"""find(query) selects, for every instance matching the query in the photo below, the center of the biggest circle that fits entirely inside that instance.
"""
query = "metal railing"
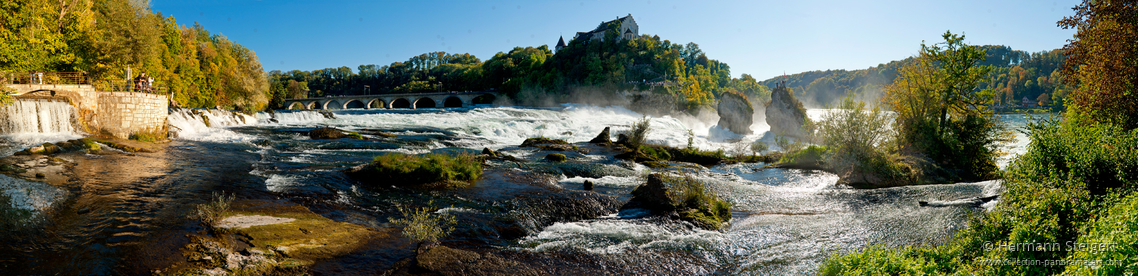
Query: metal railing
(124, 86)
(81, 78)
(44, 77)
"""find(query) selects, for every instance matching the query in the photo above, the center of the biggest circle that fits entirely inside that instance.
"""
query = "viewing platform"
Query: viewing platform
(117, 108)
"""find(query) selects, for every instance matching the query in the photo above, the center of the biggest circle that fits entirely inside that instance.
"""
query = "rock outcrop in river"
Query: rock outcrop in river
(680, 198)
(786, 115)
(735, 112)
(332, 133)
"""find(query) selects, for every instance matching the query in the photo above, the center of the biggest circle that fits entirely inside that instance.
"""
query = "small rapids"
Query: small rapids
(783, 221)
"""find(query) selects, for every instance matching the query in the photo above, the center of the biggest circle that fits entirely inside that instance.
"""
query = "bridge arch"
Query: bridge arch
(315, 105)
(333, 104)
(401, 103)
(376, 103)
(296, 106)
(483, 99)
(452, 101)
(355, 103)
(425, 102)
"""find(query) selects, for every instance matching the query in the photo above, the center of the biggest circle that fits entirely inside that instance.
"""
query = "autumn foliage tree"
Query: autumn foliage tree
(104, 37)
(1102, 62)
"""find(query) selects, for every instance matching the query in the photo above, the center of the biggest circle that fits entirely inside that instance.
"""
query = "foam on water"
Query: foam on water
(32, 122)
(618, 181)
(784, 221)
(289, 117)
(37, 116)
(508, 126)
(12, 143)
(609, 236)
(185, 124)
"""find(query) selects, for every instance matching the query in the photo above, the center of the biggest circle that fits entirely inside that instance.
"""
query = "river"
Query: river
(126, 214)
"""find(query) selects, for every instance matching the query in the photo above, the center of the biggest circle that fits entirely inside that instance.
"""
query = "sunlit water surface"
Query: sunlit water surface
(784, 221)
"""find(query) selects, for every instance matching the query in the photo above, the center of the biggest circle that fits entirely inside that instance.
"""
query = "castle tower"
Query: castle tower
(560, 44)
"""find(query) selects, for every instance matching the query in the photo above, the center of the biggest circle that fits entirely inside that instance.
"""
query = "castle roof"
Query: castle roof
(560, 42)
(601, 27)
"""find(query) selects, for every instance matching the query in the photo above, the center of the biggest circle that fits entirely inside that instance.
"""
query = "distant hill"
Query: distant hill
(1017, 74)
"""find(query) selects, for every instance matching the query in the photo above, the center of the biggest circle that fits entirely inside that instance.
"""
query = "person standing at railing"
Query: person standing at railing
(150, 84)
(138, 82)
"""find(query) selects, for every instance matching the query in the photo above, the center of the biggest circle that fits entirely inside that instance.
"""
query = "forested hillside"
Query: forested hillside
(1015, 75)
(646, 64)
(104, 37)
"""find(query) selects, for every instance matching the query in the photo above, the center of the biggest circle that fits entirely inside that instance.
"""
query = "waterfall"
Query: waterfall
(208, 124)
(37, 116)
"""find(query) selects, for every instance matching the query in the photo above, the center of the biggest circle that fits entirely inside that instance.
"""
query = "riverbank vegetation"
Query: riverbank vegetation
(1015, 75)
(861, 146)
(635, 147)
(941, 129)
(677, 76)
(105, 37)
(1070, 200)
(942, 112)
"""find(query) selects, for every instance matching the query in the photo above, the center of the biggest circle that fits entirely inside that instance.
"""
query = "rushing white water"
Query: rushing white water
(190, 124)
(784, 221)
(506, 126)
(37, 116)
(29, 122)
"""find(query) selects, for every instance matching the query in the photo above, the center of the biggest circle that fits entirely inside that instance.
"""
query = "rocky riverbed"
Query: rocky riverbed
(123, 212)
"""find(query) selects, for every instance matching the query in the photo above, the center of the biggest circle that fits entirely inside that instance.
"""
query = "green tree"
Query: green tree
(45, 35)
(942, 111)
(962, 75)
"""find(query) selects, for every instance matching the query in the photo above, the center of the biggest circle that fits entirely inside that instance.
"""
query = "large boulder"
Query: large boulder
(652, 196)
(735, 112)
(787, 116)
(332, 133)
(326, 133)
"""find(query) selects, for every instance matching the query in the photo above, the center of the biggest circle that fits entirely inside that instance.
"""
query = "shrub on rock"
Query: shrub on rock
(685, 196)
(421, 171)
(556, 157)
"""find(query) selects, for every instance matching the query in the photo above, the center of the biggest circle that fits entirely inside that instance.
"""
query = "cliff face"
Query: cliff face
(735, 113)
(786, 115)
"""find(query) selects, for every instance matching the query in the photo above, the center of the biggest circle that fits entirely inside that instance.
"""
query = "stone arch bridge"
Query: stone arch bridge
(389, 101)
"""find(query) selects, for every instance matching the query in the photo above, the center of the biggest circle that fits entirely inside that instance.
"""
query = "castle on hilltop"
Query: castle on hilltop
(626, 26)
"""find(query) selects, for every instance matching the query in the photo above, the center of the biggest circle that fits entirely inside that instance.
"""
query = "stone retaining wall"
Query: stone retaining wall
(121, 114)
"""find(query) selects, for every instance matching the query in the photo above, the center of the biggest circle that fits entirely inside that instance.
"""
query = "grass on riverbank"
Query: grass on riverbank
(150, 135)
(1074, 186)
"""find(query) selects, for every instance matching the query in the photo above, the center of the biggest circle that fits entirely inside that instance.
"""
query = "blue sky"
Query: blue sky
(761, 38)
